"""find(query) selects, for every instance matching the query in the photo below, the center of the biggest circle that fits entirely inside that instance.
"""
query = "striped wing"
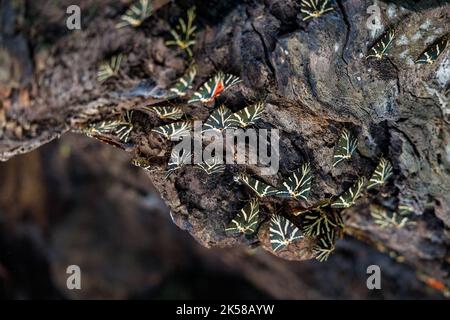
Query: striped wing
(214, 87)
(260, 188)
(183, 84)
(298, 184)
(246, 221)
(404, 209)
(380, 216)
(109, 68)
(183, 35)
(177, 161)
(382, 173)
(314, 8)
(282, 233)
(381, 48)
(325, 245)
(349, 197)
(174, 131)
(319, 222)
(119, 128)
(384, 218)
(230, 80)
(247, 116)
(141, 162)
(168, 112)
(433, 52)
(219, 119)
(136, 14)
(212, 166)
(345, 147)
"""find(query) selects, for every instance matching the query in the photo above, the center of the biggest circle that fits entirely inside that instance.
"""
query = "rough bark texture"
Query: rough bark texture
(312, 76)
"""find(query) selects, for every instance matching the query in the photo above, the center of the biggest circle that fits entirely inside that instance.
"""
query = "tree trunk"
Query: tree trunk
(312, 76)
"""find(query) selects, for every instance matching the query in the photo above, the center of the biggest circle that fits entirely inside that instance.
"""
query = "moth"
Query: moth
(260, 188)
(109, 68)
(404, 209)
(349, 197)
(381, 48)
(382, 173)
(320, 218)
(211, 166)
(345, 147)
(297, 185)
(120, 128)
(174, 131)
(247, 116)
(383, 218)
(168, 112)
(433, 52)
(141, 162)
(325, 245)
(183, 84)
(136, 14)
(214, 87)
(220, 119)
(186, 39)
(314, 8)
(282, 233)
(247, 220)
(320, 221)
(177, 161)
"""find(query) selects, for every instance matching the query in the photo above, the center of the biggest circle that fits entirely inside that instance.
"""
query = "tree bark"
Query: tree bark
(312, 76)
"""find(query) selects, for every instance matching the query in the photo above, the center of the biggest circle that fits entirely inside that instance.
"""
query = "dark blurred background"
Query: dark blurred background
(77, 201)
